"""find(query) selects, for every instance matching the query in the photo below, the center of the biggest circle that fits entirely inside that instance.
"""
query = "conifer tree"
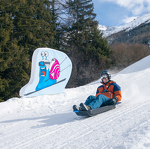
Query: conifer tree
(25, 26)
(55, 6)
(90, 50)
(14, 63)
(83, 32)
(33, 24)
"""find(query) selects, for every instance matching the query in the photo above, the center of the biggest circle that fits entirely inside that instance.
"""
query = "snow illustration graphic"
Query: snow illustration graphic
(51, 70)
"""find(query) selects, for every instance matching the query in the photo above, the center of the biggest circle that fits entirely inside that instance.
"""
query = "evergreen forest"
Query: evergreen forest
(68, 26)
(65, 25)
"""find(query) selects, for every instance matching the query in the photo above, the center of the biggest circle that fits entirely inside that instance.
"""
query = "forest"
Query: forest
(64, 25)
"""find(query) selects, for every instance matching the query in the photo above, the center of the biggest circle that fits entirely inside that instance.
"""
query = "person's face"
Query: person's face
(105, 80)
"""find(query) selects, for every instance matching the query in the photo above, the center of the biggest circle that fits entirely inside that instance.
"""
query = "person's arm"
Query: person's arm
(99, 90)
(117, 92)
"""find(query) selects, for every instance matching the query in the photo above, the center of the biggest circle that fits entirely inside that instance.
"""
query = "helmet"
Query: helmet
(105, 73)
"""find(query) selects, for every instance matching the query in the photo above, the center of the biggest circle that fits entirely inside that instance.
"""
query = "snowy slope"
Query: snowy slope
(107, 31)
(47, 122)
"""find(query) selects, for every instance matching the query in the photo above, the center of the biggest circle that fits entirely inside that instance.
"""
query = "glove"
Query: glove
(112, 101)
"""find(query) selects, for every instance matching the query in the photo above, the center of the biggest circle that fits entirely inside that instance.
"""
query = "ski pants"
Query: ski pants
(95, 102)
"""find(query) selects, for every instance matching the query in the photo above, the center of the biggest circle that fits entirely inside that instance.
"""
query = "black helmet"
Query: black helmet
(105, 73)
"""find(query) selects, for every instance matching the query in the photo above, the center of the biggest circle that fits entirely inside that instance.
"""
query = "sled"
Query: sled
(94, 112)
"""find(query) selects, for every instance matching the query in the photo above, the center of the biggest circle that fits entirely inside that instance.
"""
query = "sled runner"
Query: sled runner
(45, 87)
(93, 112)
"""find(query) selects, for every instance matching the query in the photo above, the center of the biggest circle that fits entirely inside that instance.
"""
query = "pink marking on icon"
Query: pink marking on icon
(54, 70)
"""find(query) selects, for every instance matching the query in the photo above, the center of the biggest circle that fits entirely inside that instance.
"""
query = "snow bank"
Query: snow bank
(49, 122)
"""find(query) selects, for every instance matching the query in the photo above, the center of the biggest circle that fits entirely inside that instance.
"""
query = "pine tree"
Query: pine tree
(83, 32)
(100, 50)
(14, 62)
(83, 24)
(25, 26)
(34, 26)
(87, 48)
(55, 23)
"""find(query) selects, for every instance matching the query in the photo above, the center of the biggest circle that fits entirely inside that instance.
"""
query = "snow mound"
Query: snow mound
(138, 66)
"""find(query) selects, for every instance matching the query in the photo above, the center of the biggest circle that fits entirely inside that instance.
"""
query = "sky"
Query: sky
(119, 12)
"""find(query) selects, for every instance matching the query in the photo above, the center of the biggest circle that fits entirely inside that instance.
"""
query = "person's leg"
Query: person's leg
(89, 99)
(100, 99)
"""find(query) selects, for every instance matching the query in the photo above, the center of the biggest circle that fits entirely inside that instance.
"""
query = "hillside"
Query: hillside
(140, 34)
(47, 122)
(137, 31)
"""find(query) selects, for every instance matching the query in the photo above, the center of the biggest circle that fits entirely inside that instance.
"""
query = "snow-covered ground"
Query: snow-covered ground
(107, 31)
(48, 122)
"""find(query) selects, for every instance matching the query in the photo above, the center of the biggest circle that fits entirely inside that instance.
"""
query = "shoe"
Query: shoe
(85, 107)
(75, 108)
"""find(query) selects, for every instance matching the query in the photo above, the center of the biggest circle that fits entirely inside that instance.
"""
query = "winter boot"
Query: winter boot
(75, 108)
(85, 107)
